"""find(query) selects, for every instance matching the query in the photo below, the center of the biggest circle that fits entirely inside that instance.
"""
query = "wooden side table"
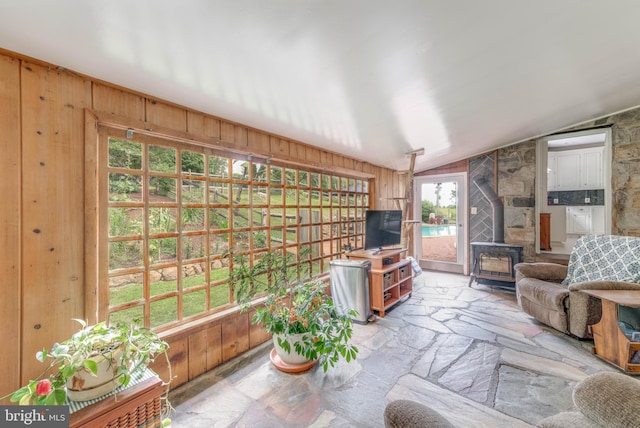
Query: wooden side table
(545, 231)
(610, 343)
(136, 406)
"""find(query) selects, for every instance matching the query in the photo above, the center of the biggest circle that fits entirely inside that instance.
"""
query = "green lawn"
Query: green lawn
(166, 310)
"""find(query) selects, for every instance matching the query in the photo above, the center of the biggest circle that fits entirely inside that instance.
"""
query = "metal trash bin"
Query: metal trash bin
(350, 287)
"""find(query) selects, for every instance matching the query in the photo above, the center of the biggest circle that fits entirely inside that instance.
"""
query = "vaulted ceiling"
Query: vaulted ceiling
(373, 79)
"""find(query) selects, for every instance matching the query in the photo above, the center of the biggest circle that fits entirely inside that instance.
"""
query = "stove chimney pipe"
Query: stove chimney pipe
(496, 205)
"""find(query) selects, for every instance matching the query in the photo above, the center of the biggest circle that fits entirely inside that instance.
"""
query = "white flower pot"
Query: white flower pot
(291, 358)
(84, 385)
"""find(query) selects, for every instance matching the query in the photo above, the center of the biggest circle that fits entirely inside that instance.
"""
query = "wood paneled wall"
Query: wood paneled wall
(44, 274)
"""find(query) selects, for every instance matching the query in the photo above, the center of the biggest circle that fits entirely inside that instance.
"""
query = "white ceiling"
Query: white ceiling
(373, 79)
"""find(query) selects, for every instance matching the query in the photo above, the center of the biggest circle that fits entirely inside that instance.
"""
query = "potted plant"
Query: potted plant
(94, 361)
(305, 324)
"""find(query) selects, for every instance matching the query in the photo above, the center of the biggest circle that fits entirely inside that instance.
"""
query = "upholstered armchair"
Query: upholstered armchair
(551, 292)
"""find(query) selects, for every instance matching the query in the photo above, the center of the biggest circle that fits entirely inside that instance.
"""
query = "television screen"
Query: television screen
(382, 228)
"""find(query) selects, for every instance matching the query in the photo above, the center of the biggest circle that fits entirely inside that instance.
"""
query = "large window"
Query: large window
(176, 212)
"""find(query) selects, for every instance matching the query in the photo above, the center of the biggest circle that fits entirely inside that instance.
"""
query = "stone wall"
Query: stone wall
(517, 188)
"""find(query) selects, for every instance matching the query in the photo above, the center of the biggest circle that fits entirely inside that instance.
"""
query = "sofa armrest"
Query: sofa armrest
(603, 285)
(551, 272)
(410, 414)
(609, 398)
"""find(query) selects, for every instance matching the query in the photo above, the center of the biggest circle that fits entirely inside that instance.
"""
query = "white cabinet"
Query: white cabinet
(591, 169)
(568, 171)
(584, 220)
(580, 169)
(579, 220)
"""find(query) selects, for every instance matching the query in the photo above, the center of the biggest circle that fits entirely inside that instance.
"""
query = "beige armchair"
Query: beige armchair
(551, 293)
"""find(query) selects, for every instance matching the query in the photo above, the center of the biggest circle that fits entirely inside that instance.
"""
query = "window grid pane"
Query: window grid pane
(175, 213)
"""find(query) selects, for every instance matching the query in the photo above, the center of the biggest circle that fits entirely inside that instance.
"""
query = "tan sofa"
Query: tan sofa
(551, 293)
(607, 399)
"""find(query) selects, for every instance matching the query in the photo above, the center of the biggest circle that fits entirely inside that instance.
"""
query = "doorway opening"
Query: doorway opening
(440, 238)
(574, 191)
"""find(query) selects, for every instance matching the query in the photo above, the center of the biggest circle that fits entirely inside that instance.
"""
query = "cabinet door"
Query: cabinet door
(558, 222)
(597, 219)
(552, 171)
(579, 220)
(591, 170)
(567, 171)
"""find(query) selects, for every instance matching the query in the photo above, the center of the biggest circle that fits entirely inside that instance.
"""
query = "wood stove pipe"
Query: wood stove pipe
(497, 207)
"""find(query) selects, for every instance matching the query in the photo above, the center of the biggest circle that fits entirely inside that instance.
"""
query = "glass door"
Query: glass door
(441, 238)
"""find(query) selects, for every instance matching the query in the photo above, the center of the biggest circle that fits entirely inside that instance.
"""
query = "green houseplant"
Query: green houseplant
(117, 351)
(298, 313)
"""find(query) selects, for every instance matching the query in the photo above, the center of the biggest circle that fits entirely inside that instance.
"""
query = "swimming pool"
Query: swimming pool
(439, 230)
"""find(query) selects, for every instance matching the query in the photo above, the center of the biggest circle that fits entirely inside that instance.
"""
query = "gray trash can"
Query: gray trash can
(350, 287)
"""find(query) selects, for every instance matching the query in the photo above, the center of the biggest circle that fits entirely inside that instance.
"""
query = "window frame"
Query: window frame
(322, 218)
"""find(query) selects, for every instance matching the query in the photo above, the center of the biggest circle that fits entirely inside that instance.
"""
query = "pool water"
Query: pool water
(439, 230)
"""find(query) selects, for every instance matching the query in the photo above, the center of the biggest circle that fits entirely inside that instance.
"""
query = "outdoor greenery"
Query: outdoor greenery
(445, 212)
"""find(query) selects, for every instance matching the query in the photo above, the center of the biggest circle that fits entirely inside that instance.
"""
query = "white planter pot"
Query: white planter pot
(84, 385)
(292, 358)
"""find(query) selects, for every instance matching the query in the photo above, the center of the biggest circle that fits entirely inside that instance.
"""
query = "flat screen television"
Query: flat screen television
(382, 228)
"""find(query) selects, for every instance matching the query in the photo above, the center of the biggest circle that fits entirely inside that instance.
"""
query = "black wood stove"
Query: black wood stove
(494, 261)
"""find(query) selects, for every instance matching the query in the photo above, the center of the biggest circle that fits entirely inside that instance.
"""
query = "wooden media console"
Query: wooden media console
(390, 278)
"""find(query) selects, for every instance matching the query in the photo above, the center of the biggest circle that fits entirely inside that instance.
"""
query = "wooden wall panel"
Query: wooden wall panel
(211, 127)
(199, 124)
(53, 104)
(258, 142)
(326, 158)
(195, 123)
(338, 161)
(297, 152)
(227, 132)
(116, 101)
(257, 335)
(214, 346)
(10, 244)
(312, 156)
(279, 148)
(197, 354)
(168, 116)
(240, 137)
(455, 167)
(178, 358)
(347, 163)
(235, 336)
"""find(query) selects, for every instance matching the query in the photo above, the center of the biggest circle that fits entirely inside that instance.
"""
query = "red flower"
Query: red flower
(43, 387)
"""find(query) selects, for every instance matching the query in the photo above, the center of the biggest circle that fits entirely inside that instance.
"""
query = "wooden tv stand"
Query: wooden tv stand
(390, 278)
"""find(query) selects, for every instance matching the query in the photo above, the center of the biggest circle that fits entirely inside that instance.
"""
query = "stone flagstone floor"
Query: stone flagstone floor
(468, 352)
